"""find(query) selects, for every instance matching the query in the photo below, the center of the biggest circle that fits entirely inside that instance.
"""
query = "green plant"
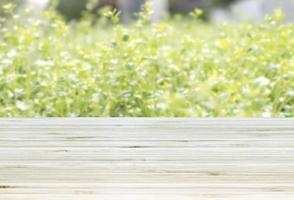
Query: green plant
(8, 6)
(181, 68)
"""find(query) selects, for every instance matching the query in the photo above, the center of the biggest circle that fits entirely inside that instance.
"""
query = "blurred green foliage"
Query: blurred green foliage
(12, 3)
(71, 9)
(180, 68)
(213, 3)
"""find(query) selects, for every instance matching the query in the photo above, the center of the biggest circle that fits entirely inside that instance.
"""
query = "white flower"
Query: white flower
(262, 81)
(7, 62)
(291, 93)
(44, 63)
(19, 91)
(21, 105)
(12, 53)
(266, 115)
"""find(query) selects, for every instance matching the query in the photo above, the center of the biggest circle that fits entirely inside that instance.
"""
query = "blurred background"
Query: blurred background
(215, 10)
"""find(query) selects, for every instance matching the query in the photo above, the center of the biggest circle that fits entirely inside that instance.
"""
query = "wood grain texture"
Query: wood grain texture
(146, 159)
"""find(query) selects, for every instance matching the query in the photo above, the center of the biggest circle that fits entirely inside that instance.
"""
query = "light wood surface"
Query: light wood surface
(146, 159)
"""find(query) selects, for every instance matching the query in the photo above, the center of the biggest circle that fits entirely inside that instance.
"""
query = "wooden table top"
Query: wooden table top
(146, 159)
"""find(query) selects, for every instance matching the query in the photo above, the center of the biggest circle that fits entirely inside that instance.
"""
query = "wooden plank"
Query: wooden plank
(88, 158)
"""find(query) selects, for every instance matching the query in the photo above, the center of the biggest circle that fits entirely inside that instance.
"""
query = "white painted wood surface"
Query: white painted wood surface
(146, 159)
